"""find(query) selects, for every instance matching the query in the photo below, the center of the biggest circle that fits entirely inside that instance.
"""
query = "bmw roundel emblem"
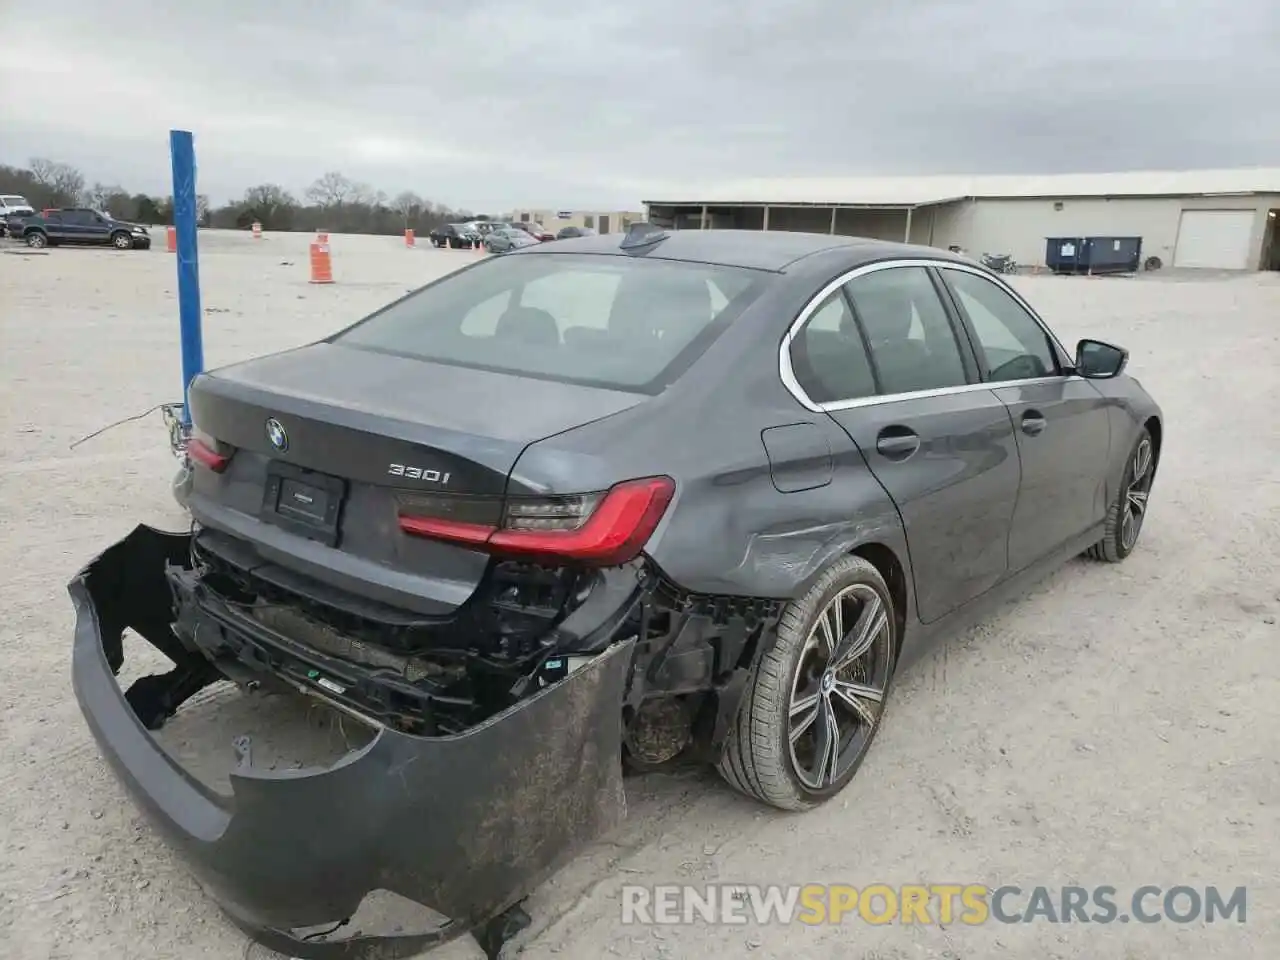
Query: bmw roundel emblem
(275, 433)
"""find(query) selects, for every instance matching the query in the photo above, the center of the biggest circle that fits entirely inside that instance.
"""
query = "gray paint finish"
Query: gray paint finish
(799, 457)
(770, 487)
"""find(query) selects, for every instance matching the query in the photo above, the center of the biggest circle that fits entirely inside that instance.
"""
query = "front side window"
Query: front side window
(913, 344)
(1014, 345)
(828, 356)
(615, 321)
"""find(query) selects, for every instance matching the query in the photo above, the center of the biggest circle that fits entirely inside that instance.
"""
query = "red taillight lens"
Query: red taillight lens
(605, 529)
(202, 453)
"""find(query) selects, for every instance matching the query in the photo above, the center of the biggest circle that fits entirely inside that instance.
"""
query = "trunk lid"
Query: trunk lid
(327, 441)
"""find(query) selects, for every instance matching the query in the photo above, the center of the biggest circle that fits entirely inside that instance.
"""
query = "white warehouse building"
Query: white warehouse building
(1208, 219)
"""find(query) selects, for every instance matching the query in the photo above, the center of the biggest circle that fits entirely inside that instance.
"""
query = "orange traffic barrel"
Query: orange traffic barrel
(257, 230)
(171, 239)
(321, 267)
(408, 237)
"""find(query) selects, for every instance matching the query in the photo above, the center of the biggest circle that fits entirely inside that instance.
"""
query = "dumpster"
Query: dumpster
(1093, 254)
(1113, 254)
(1064, 254)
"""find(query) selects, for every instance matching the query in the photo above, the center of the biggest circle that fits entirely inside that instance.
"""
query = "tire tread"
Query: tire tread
(1107, 550)
(752, 762)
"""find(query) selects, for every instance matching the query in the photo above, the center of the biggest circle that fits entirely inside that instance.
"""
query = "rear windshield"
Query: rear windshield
(614, 321)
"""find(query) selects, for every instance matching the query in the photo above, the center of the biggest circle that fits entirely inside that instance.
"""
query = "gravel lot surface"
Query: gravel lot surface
(1120, 725)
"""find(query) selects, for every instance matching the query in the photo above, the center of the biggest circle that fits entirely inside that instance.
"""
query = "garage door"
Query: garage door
(1214, 239)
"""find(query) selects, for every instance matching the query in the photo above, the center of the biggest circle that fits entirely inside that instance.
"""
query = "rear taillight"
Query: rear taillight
(606, 528)
(208, 453)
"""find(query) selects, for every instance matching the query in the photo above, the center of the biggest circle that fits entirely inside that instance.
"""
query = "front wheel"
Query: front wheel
(121, 241)
(815, 700)
(1129, 508)
(37, 240)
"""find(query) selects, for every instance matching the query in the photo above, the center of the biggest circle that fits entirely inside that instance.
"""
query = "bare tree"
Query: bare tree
(62, 180)
(110, 198)
(332, 190)
(336, 203)
(408, 204)
(271, 205)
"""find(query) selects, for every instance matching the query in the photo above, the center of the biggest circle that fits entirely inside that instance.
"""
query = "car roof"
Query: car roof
(755, 249)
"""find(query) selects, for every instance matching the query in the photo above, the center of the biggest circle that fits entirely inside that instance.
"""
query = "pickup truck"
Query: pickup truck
(79, 225)
(12, 205)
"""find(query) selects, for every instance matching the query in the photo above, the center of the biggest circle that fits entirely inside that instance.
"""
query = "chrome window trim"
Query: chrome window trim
(787, 374)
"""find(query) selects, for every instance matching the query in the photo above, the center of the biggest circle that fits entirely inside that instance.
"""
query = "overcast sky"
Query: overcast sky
(491, 104)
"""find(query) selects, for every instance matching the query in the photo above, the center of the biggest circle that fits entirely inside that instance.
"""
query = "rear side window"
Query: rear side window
(913, 344)
(614, 321)
(828, 356)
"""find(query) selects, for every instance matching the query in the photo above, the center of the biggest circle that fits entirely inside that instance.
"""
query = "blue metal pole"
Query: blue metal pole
(182, 153)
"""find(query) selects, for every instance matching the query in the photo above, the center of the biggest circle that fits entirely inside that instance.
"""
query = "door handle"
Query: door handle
(1033, 423)
(897, 443)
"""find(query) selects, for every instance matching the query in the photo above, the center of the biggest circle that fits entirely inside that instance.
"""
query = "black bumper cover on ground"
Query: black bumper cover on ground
(465, 825)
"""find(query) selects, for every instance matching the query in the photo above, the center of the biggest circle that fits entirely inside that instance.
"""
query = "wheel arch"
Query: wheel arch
(712, 726)
(1156, 429)
(890, 563)
(891, 568)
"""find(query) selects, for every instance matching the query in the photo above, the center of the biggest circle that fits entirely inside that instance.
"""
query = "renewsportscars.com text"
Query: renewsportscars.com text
(971, 904)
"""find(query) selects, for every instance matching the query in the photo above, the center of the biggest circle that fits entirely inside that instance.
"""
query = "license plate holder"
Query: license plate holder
(304, 502)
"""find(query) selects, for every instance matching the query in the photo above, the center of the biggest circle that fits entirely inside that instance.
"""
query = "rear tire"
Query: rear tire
(1129, 509)
(781, 748)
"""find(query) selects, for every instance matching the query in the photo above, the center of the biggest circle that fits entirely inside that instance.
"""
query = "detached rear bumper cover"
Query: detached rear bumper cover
(466, 825)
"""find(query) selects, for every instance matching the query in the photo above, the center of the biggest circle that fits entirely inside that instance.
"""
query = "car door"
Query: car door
(1061, 420)
(97, 228)
(938, 441)
(76, 226)
(57, 227)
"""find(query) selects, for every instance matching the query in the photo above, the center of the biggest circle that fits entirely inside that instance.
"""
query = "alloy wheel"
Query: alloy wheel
(35, 240)
(122, 242)
(838, 690)
(1137, 490)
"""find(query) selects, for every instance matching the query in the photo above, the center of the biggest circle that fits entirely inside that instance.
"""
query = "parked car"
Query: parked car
(81, 225)
(506, 239)
(696, 492)
(456, 236)
(567, 233)
(488, 226)
(13, 206)
(535, 230)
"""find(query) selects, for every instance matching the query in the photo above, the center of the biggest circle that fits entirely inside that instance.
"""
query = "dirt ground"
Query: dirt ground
(1120, 725)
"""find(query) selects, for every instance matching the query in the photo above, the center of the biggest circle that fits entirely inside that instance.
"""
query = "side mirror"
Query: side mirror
(1098, 360)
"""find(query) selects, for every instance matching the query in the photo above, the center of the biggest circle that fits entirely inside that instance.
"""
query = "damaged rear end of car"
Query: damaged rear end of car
(463, 823)
(363, 535)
